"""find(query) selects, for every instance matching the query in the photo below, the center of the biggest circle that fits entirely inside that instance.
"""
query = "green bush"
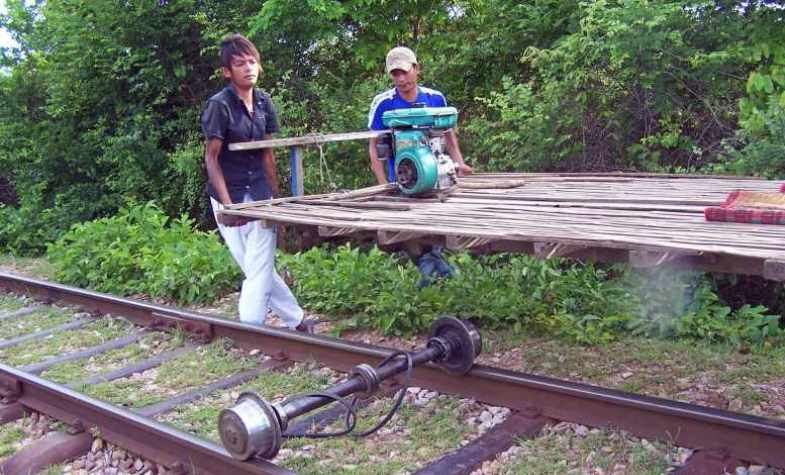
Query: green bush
(686, 305)
(518, 130)
(630, 85)
(26, 229)
(378, 290)
(759, 152)
(582, 303)
(141, 250)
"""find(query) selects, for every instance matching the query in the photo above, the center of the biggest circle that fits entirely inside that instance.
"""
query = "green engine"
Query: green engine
(418, 148)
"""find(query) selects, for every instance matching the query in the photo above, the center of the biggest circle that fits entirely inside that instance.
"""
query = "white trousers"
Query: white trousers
(253, 248)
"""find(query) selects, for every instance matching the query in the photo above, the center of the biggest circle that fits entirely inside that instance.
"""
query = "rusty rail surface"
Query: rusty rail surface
(147, 437)
(746, 437)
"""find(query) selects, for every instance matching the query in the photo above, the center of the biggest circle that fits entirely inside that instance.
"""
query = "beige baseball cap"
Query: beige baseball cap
(402, 58)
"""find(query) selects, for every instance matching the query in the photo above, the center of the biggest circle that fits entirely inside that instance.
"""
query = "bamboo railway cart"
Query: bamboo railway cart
(644, 219)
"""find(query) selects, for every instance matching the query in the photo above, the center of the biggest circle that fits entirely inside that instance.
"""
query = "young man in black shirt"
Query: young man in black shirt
(241, 113)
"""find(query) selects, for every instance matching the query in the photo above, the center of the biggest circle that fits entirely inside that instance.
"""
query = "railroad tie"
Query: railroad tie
(11, 412)
(498, 439)
(708, 461)
(190, 396)
(138, 367)
(20, 313)
(121, 342)
(14, 411)
(44, 333)
(54, 448)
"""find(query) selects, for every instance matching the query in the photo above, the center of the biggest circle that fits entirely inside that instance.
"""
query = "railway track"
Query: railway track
(29, 383)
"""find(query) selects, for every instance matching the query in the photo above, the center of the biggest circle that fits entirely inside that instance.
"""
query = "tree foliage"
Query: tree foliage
(100, 99)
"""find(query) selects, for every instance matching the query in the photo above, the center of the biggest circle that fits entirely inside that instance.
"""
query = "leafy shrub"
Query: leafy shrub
(582, 303)
(26, 229)
(755, 324)
(578, 302)
(22, 231)
(141, 250)
(686, 305)
(186, 190)
(604, 95)
(520, 131)
(379, 290)
(759, 152)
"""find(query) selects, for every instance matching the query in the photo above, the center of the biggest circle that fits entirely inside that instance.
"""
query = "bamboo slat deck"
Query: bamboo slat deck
(643, 219)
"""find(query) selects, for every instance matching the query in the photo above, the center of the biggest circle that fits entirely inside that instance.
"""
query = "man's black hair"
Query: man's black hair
(236, 45)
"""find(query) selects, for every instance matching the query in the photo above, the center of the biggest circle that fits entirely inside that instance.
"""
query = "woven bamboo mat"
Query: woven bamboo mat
(659, 213)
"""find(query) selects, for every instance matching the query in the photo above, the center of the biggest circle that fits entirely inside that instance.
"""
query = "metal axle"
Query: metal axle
(253, 427)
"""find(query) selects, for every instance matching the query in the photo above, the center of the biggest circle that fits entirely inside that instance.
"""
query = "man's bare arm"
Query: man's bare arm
(216, 178)
(214, 173)
(454, 150)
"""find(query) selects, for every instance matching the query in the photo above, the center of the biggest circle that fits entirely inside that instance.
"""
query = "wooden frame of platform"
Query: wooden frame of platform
(644, 219)
(295, 146)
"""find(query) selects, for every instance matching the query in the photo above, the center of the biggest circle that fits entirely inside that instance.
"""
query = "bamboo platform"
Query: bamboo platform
(644, 219)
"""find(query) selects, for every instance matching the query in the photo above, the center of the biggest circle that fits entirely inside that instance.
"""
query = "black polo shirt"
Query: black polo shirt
(225, 117)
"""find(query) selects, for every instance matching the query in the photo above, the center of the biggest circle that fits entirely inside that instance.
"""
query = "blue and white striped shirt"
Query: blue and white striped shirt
(391, 100)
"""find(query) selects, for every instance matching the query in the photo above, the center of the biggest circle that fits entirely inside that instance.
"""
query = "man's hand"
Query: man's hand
(231, 220)
(464, 169)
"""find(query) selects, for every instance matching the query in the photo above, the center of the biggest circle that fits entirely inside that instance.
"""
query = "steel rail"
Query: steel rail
(153, 440)
(743, 436)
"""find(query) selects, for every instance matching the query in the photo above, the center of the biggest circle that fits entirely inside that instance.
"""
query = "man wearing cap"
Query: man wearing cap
(402, 66)
(404, 70)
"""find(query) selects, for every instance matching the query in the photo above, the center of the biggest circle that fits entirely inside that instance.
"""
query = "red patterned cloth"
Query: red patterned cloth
(750, 207)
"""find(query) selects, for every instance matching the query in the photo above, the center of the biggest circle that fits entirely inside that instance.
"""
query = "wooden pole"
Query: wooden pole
(315, 139)
(296, 162)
